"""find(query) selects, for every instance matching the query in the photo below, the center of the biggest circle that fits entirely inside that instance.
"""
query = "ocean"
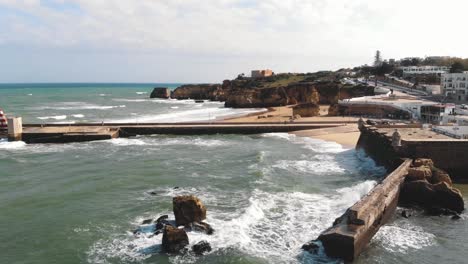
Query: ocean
(266, 195)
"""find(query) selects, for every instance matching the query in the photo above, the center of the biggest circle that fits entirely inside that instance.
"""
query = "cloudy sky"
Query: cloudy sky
(210, 40)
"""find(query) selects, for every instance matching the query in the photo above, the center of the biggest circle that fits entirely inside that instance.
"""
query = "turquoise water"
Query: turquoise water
(78, 103)
(266, 194)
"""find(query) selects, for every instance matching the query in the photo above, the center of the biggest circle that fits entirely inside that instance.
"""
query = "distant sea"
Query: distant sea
(108, 102)
(266, 194)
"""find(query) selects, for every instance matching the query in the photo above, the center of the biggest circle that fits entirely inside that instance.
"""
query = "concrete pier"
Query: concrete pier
(351, 232)
(50, 133)
(15, 128)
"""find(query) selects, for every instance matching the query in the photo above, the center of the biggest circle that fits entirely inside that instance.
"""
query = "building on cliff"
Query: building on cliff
(261, 73)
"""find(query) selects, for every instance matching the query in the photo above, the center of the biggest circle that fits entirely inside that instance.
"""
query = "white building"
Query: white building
(455, 85)
(438, 70)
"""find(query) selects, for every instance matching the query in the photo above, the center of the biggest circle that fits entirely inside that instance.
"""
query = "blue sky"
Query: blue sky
(211, 40)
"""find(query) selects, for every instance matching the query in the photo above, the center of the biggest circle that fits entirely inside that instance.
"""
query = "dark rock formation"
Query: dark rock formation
(201, 247)
(430, 188)
(188, 209)
(174, 239)
(147, 221)
(312, 247)
(212, 92)
(200, 227)
(161, 92)
(306, 110)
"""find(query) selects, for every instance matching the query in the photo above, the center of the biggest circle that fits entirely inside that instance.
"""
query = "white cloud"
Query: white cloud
(296, 34)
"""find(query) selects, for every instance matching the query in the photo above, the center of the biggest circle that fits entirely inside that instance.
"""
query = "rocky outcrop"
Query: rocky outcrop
(270, 97)
(201, 247)
(429, 188)
(174, 239)
(188, 209)
(306, 110)
(213, 92)
(161, 92)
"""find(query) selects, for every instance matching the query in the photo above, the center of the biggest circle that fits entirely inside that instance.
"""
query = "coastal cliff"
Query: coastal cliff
(278, 90)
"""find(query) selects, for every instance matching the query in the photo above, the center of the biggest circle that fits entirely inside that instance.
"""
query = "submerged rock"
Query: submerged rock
(174, 239)
(188, 209)
(201, 247)
(406, 213)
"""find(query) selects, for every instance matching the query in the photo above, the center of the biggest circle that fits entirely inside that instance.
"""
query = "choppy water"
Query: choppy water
(75, 103)
(266, 196)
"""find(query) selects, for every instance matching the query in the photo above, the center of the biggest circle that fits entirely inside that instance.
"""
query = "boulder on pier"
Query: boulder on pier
(429, 188)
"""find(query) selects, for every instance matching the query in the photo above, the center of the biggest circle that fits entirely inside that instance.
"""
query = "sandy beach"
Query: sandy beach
(347, 135)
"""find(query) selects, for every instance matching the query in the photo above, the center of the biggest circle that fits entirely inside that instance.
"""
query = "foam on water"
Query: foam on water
(4, 144)
(403, 238)
(78, 116)
(76, 106)
(316, 145)
(59, 117)
(141, 92)
(308, 166)
(273, 226)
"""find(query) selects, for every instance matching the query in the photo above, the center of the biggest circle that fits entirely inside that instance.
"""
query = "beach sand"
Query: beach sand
(346, 135)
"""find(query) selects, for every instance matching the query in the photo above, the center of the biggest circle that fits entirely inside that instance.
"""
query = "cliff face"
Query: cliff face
(271, 92)
(270, 97)
(212, 92)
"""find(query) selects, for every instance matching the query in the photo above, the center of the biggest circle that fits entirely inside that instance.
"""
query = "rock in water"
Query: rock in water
(161, 92)
(312, 247)
(174, 239)
(406, 213)
(147, 221)
(201, 227)
(188, 209)
(201, 247)
(419, 173)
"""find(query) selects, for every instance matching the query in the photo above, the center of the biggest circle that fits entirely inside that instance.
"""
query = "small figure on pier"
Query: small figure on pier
(396, 138)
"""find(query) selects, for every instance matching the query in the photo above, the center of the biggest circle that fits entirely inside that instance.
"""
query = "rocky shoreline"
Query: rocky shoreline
(273, 91)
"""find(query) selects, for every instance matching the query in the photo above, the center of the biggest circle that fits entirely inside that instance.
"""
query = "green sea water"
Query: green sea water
(266, 194)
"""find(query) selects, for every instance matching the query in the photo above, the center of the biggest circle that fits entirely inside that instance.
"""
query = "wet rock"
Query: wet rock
(427, 195)
(162, 218)
(456, 217)
(153, 193)
(174, 239)
(312, 247)
(439, 176)
(188, 209)
(201, 247)
(201, 227)
(161, 92)
(147, 221)
(419, 173)
(406, 213)
(423, 162)
(177, 187)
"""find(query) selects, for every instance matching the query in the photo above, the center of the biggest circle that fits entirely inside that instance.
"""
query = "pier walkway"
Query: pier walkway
(64, 133)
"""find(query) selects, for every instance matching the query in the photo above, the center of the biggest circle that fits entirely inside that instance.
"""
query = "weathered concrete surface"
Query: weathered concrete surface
(89, 132)
(351, 232)
(68, 134)
(448, 154)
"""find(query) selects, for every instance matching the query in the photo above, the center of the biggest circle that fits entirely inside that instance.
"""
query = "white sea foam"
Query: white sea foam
(30, 94)
(403, 238)
(127, 142)
(4, 144)
(79, 116)
(189, 115)
(59, 117)
(76, 106)
(316, 145)
(273, 226)
(174, 107)
(309, 166)
(141, 92)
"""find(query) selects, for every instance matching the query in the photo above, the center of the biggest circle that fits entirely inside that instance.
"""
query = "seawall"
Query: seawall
(447, 154)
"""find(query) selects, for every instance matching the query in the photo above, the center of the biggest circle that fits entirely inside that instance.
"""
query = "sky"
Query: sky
(211, 40)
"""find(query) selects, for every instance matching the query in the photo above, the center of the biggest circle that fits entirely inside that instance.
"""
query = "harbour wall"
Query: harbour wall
(450, 155)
